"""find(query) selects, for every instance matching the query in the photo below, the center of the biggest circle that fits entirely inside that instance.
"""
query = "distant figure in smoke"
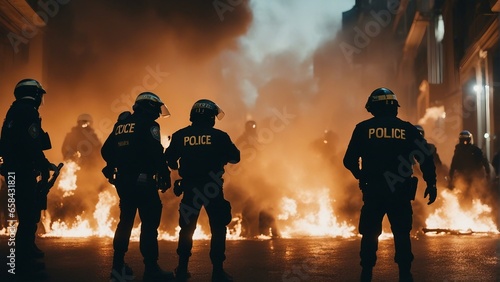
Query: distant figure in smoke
(326, 150)
(23, 142)
(249, 138)
(81, 144)
(326, 146)
(200, 152)
(441, 169)
(378, 148)
(250, 145)
(267, 223)
(469, 164)
(136, 166)
(432, 147)
(256, 219)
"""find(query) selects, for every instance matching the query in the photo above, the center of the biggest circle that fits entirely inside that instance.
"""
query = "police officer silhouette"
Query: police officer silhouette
(380, 155)
(81, 144)
(136, 166)
(441, 169)
(200, 152)
(468, 161)
(23, 142)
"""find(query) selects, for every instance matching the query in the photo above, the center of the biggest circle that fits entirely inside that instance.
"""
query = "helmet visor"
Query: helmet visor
(151, 97)
(213, 108)
(164, 112)
(220, 113)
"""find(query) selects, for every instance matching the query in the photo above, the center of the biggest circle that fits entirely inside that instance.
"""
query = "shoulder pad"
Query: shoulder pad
(124, 115)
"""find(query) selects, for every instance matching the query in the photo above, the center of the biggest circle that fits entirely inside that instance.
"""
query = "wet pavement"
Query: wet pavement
(437, 258)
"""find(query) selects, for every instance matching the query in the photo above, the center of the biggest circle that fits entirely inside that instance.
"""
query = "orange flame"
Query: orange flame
(453, 216)
(320, 221)
(67, 179)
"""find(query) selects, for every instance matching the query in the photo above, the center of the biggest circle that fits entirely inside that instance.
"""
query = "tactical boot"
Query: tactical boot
(153, 273)
(405, 273)
(366, 274)
(31, 270)
(181, 271)
(221, 276)
(123, 273)
(181, 274)
(405, 277)
(36, 252)
(30, 265)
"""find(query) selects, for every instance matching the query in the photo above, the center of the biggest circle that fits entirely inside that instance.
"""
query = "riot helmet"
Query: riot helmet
(250, 126)
(151, 104)
(84, 120)
(205, 111)
(420, 129)
(29, 89)
(465, 137)
(382, 101)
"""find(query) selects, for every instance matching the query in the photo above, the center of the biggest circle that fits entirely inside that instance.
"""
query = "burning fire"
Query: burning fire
(309, 212)
(105, 223)
(312, 215)
(452, 216)
(82, 227)
(320, 221)
(67, 179)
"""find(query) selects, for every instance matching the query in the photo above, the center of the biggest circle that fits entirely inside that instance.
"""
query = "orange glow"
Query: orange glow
(316, 219)
(67, 178)
(453, 216)
(81, 228)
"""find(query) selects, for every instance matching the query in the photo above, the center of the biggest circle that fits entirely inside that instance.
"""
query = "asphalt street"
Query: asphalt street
(437, 258)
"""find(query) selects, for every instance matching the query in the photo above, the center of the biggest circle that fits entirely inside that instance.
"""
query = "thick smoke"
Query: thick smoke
(99, 55)
(261, 62)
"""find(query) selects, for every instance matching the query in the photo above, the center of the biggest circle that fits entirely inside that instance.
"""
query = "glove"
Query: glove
(164, 181)
(178, 188)
(44, 171)
(109, 173)
(432, 192)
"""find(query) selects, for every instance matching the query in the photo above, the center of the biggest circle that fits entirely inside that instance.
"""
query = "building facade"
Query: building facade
(442, 58)
(21, 46)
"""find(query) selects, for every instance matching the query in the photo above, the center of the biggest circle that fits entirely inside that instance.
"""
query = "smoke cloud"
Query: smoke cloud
(279, 63)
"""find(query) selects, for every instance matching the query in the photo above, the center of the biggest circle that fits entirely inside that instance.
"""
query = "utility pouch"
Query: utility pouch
(144, 180)
(110, 174)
